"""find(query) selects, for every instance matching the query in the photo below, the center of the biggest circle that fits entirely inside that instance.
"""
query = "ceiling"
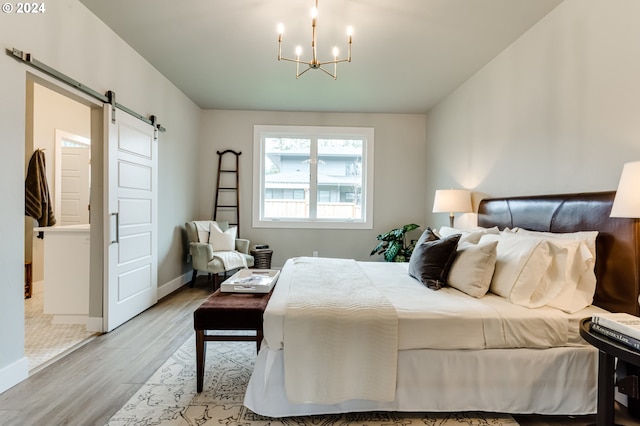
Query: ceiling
(407, 54)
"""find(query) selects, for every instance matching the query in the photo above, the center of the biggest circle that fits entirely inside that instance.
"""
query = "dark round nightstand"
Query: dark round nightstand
(609, 350)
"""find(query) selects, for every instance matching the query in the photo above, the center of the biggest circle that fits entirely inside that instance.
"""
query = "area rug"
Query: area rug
(170, 397)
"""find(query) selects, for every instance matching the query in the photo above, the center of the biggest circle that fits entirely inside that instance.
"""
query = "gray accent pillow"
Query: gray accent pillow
(432, 258)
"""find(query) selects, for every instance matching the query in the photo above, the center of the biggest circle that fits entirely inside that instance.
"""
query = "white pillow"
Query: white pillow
(528, 271)
(587, 237)
(580, 283)
(222, 241)
(580, 286)
(468, 235)
(472, 269)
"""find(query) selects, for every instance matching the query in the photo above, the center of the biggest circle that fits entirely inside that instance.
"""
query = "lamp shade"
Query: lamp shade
(452, 201)
(627, 200)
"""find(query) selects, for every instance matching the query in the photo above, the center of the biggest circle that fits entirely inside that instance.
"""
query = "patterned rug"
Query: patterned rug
(170, 397)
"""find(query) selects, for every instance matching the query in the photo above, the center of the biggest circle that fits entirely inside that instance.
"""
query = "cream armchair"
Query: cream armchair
(206, 258)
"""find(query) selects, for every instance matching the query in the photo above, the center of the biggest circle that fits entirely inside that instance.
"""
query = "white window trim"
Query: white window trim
(259, 131)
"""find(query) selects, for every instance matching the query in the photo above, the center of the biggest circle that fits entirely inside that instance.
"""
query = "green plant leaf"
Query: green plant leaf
(382, 245)
(387, 236)
(410, 227)
(397, 233)
(392, 244)
(392, 251)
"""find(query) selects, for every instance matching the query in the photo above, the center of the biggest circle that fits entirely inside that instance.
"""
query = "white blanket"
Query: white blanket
(231, 259)
(447, 318)
(340, 341)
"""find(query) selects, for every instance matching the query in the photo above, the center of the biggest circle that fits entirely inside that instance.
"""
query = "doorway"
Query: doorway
(61, 127)
(122, 254)
(121, 257)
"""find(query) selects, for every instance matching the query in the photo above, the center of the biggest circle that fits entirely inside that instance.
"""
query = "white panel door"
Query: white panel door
(131, 161)
(75, 185)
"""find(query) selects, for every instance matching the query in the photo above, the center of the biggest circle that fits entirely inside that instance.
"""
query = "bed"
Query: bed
(497, 357)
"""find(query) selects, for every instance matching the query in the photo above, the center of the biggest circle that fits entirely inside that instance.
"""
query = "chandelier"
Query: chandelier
(314, 63)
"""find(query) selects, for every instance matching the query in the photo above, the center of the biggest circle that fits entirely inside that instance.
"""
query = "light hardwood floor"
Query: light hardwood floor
(89, 385)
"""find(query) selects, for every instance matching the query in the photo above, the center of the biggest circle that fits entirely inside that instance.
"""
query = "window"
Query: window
(313, 177)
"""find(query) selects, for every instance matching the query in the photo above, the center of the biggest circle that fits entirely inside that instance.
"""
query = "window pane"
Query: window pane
(286, 165)
(313, 177)
(340, 178)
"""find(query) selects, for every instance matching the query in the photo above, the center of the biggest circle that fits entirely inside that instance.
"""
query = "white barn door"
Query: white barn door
(131, 206)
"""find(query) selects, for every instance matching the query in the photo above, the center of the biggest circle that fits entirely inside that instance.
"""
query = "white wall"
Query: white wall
(399, 178)
(70, 39)
(558, 111)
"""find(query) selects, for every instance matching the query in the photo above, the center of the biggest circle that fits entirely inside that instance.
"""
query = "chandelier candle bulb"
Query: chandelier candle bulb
(280, 31)
(349, 38)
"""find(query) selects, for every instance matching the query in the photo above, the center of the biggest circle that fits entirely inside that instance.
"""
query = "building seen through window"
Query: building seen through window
(314, 178)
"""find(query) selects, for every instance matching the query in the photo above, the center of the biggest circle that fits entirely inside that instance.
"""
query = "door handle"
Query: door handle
(116, 215)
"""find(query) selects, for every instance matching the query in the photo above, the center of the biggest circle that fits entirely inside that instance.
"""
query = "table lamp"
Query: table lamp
(627, 200)
(452, 201)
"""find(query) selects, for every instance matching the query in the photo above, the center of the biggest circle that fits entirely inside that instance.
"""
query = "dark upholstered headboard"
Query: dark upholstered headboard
(617, 246)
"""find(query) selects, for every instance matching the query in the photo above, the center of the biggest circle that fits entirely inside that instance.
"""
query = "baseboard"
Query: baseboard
(621, 398)
(69, 319)
(168, 288)
(95, 324)
(14, 373)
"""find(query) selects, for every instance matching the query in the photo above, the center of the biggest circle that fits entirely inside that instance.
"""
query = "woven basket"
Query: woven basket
(262, 258)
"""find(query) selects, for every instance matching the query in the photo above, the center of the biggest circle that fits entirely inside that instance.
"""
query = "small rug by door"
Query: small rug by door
(170, 397)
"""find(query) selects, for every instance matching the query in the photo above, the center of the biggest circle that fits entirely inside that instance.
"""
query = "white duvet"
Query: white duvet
(340, 330)
(444, 319)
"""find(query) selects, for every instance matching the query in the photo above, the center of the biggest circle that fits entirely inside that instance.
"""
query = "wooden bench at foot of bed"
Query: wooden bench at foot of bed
(227, 311)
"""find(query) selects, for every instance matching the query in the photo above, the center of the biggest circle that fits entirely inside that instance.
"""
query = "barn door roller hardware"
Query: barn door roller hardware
(108, 98)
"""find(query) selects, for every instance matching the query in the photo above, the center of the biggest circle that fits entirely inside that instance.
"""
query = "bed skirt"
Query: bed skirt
(559, 381)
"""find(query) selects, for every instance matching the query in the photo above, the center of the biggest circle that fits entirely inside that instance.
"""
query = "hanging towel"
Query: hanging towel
(37, 201)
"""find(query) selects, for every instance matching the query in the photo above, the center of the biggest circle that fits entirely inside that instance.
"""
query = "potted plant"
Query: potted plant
(393, 245)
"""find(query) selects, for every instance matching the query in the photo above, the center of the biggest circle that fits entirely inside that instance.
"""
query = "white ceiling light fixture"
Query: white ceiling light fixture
(314, 63)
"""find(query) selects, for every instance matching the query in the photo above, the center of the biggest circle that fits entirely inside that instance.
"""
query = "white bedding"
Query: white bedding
(334, 319)
(456, 353)
(447, 318)
(559, 381)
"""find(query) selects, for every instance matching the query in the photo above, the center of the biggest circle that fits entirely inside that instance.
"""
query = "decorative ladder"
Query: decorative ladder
(226, 204)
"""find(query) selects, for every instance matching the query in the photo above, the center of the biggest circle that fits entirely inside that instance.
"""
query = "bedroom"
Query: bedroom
(555, 112)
